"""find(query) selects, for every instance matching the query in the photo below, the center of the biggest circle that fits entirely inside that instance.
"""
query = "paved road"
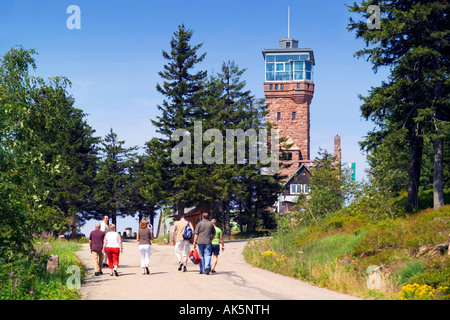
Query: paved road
(234, 280)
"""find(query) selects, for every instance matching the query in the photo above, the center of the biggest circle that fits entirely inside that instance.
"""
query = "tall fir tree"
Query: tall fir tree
(183, 89)
(113, 178)
(414, 104)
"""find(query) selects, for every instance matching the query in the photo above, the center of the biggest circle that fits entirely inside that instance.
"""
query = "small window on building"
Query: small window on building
(298, 85)
(271, 86)
(286, 156)
(282, 86)
(294, 115)
(296, 188)
(305, 188)
(278, 116)
(288, 45)
(276, 87)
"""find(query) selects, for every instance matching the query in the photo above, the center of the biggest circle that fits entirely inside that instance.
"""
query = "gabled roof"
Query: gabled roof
(295, 174)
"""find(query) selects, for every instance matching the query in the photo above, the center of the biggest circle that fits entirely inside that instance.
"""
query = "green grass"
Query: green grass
(337, 252)
(24, 277)
(332, 247)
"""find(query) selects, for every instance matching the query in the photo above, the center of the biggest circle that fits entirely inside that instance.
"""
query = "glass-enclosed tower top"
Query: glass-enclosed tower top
(289, 63)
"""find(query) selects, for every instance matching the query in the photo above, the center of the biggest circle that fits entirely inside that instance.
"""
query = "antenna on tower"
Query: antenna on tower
(289, 24)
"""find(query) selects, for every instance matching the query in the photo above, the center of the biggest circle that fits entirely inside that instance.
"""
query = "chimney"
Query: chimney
(337, 148)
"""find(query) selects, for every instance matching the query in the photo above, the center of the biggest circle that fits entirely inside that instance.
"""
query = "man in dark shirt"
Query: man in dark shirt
(203, 234)
(96, 244)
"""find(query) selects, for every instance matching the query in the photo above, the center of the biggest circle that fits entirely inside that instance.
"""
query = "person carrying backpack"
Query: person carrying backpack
(182, 234)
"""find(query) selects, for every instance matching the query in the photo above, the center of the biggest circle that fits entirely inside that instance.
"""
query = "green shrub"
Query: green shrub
(410, 270)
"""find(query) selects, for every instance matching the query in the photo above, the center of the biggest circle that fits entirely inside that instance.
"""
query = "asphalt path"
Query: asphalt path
(234, 280)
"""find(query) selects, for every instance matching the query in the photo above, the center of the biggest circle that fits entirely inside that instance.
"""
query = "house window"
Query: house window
(305, 188)
(299, 189)
(278, 116)
(296, 188)
(294, 115)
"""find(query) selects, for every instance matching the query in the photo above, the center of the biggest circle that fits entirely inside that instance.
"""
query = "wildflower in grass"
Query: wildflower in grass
(269, 253)
(419, 292)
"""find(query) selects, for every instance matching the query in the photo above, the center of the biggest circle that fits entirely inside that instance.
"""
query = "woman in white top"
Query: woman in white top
(113, 247)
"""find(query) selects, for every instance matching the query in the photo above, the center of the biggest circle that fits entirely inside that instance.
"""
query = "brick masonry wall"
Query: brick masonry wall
(286, 101)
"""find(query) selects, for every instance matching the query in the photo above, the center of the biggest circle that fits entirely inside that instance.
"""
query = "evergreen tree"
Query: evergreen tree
(136, 191)
(240, 182)
(183, 91)
(114, 176)
(72, 147)
(414, 103)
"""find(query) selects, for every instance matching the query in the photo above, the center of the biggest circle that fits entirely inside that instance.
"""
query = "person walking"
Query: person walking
(96, 239)
(104, 227)
(182, 245)
(144, 238)
(218, 239)
(113, 247)
(203, 234)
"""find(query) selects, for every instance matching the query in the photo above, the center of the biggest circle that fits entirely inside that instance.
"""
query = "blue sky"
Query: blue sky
(114, 59)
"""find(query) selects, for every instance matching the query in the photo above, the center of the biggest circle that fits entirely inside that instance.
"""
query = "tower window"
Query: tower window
(294, 115)
(278, 116)
(288, 45)
(286, 156)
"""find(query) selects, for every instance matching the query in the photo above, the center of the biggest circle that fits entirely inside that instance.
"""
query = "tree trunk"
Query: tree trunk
(226, 218)
(416, 149)
(180, 207)
(438, 174)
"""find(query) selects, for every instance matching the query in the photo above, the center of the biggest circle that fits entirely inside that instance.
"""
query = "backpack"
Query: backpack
(188, 234)
(195, 257)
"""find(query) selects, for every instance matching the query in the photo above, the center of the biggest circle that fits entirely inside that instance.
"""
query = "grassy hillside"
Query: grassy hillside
(342, 251)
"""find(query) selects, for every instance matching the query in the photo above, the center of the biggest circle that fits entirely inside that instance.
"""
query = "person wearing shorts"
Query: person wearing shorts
(218, 239)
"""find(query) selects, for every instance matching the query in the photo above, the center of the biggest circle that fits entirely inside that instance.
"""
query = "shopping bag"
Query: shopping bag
(194, 256)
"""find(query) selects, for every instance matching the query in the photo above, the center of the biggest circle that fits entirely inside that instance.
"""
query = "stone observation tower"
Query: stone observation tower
(289, 89)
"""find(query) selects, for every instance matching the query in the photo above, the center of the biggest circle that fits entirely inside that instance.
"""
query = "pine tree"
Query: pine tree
(113, 178)
(413, 41)
(183, 90)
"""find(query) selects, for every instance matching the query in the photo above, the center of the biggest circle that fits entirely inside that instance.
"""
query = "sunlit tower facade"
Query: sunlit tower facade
(289, 89)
